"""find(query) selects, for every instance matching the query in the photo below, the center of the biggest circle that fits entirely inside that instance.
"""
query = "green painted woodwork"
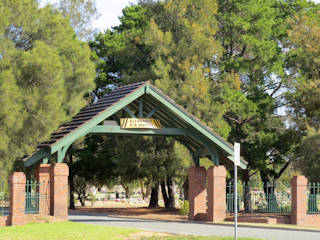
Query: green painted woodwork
(129, 112)
(83, 130)
(45, 160)
(196, 159)
(140, 108)
(242, 165)
(189, 130)
(176, 110)
(118, 131)
(151, 113)
(42, 153)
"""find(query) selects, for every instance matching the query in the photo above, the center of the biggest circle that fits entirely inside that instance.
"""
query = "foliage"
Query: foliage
(81, 14)
(308, 156)
(305, 101)
(120, 54)
(253, 67)
(81, 188)
(44, 74)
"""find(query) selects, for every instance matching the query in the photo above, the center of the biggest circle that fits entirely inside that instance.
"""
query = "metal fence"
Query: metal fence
(260, 197)
(4, 198)
(36, 197)
(313, 193)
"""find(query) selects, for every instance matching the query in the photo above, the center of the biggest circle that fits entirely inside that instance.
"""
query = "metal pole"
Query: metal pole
(235, 202)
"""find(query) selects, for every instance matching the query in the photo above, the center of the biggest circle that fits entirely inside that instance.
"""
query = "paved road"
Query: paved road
(191, 228)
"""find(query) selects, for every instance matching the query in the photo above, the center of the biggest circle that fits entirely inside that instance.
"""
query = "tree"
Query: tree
(120, 54)
(305, 102)
(45, 73)
(81, 14)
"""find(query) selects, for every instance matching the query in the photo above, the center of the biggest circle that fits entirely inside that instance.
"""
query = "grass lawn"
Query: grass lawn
(79, 231)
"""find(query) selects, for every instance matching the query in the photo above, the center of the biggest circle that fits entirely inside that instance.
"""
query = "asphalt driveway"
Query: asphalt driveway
(192, 228)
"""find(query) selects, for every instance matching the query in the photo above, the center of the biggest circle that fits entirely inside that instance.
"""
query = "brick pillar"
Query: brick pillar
(59, 173)
(197, 194)
(17, 198)
(299, 200)
(217, 193)
(42, 175)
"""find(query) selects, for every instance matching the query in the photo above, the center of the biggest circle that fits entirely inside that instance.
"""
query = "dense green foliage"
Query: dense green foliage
(45, 71)
(305, 101)
(227, 63)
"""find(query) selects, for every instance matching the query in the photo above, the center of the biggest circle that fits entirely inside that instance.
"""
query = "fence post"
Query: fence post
(59, 173)
(217, 193)
(42, 175)
(299, 200)
(197, 194)
(17, 198)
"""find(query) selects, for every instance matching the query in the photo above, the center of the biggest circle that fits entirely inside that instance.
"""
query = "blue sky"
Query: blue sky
(109, 11)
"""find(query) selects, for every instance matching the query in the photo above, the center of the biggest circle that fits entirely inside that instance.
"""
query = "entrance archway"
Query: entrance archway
(148, 111)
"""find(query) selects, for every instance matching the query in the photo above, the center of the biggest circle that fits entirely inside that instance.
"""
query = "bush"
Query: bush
(92, 198)
(185, 208)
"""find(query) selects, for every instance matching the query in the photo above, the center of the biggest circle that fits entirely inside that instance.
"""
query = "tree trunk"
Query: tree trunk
(154, 197)
(186, 189)
(142, 190)
(82, 199)
(164, 194)
(247, 193)
(71, 183)
(171, 200)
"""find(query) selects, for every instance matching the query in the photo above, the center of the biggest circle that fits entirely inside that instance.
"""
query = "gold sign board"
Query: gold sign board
(145, 123)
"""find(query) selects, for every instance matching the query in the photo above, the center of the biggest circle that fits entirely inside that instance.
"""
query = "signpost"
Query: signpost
(236, 164)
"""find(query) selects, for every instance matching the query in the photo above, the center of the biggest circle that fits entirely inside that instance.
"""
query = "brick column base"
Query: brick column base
(59, 173)
(197, 194)
(17, 198)
(217, 193)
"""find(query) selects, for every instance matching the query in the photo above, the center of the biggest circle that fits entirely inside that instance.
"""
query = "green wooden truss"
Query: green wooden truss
(143, 101)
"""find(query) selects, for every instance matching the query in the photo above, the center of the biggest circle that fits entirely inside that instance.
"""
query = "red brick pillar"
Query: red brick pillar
(59, 173)
(217, 193)
(17, 198)
(42, 175)
(197, 194)
(299, 200)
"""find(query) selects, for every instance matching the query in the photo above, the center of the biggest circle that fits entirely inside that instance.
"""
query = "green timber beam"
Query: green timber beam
(82, 131)
(140, 108)
(181, 114)
(41, 154)
(100, 129)
(196, 159)
(153, 111)
(129, 112)
(242, 165)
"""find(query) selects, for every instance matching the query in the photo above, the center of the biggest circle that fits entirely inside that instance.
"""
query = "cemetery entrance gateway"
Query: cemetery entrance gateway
(139, 109)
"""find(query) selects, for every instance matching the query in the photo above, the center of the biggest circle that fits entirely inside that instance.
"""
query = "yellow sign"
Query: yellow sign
(144, 123)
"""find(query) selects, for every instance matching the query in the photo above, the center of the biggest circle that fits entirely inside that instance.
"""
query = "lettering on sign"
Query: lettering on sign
(144, 123)
(237, 154)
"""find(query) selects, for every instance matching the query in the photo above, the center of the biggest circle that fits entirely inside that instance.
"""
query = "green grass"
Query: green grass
(63, 231)
(194, 238)
(80, 231)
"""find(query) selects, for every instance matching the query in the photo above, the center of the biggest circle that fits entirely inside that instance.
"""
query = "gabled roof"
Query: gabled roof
(198, 138)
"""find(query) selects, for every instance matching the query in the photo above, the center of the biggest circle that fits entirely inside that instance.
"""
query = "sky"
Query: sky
(109, 11)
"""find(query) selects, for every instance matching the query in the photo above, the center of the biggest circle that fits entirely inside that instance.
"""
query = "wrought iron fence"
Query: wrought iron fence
(260, 197)
(313, 193)
(4, 199)
(36, 197)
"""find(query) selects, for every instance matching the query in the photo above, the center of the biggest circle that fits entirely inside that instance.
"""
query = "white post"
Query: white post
(236, 164)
